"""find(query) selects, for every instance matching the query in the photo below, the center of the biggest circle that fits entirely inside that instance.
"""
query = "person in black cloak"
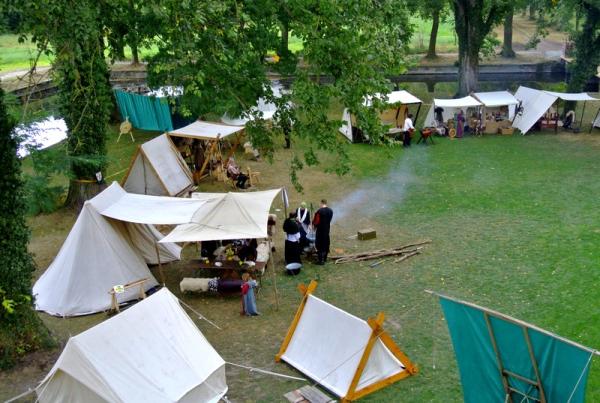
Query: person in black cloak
(322, 223)
(292, 239)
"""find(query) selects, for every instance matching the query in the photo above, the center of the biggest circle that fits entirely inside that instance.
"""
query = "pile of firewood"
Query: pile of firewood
(403, 252)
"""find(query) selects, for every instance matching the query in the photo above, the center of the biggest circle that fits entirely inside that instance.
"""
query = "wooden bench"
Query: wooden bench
(114, 305)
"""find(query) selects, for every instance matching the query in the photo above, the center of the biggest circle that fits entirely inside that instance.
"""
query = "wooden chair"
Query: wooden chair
(253, 176)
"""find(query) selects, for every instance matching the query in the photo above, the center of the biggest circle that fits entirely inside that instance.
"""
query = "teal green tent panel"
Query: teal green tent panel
(563, 367)
(146, 113)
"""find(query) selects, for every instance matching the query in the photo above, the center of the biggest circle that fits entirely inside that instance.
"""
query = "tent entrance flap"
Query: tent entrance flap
(501, 358)
(344, 354)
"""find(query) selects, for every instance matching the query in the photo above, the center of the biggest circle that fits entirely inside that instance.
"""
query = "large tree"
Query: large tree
(21, 331)
(587, 46)
(216, 50)
(474, 20)
(75, 30)
(435, 10)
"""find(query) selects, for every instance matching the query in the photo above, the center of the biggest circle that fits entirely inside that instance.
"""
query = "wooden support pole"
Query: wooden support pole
(160, 270)
(534, 364)
(306, 291)
(581, 120)
(211, 151)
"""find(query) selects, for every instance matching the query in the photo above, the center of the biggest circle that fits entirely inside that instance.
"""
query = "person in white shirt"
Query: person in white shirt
(407, 130)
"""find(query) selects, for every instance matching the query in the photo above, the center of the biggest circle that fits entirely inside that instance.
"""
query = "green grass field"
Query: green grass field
(513, 224)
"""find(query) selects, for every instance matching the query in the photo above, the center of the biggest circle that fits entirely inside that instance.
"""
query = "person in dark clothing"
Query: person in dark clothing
(322, 223)
(292, 239)
(303, 219)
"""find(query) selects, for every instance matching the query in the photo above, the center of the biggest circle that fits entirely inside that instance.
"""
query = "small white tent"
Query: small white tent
(495, 99)
(347, 355)
(152, 352)
(450, 106)
(227, 216)
(394, 116)
(535, 103)
(100, 253)
(158, 169)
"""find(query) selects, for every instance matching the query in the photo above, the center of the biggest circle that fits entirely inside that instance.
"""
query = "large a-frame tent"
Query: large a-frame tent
(152, 352)
(98, 254)
(158, 169)
(503, 359)
(345, 354)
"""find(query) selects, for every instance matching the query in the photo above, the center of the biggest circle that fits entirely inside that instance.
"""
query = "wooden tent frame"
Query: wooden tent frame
(212, 149)
(140, 152)
(378, 333)
(505, 374)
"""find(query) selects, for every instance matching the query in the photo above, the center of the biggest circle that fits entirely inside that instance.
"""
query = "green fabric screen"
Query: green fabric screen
(563, 367)
(146, 113)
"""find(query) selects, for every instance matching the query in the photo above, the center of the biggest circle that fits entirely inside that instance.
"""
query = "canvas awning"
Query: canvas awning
(450, 106)
(396, 97)
(206, 130)
(151, 352)
(566, 96)
(496, 98)
(227, 216)
(536, 365)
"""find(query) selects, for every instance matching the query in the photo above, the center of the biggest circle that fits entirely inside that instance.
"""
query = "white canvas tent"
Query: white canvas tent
(450, 106)
(345, 354)
(535, 103)
(394, 116)
(100, 253)
(496, 99)
(152, 352)
(227, 216)
(158, 169)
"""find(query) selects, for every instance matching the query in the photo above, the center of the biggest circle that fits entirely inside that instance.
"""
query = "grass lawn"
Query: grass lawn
(513, 223)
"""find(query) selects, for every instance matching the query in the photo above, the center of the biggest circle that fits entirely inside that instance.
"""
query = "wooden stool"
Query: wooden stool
(114, 305)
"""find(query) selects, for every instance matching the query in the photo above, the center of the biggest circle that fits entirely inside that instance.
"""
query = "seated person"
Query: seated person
(247, 250)
(235, 173)
(569, 118)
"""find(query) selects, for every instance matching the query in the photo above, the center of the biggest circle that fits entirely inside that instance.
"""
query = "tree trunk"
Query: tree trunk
(532, 12)
(133, 33)
(469, 43)
(587, 50)
(507, 49)
(134, 51)
(81, 191)
(468, 71)
(285, 38)
(434, 32)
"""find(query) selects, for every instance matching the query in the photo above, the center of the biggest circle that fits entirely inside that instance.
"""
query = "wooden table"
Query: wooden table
(232, 269)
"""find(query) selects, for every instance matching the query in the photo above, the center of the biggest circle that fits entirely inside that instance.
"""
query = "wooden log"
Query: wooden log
(369, 253)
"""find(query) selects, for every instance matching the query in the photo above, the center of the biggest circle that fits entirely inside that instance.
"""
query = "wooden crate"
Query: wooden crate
(368, 233)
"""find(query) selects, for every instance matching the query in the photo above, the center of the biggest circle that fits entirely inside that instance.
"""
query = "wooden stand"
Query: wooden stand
(114, 305)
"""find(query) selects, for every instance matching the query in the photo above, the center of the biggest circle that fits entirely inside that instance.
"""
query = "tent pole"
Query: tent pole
(534, 365)
(208, 157)
(594, 121)
(160, 270)
(497, 354)
(417, 115)
(582, 112)
(557, 115)
(272, 259)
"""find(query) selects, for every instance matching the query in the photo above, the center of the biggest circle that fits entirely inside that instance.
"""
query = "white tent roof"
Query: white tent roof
(152, 352)
(328, 344)
(206, 130)
(396, 97)
(465, 102)
(496, 98)
(227, 216)
(98, 254)
(158, 169)
(566, 96)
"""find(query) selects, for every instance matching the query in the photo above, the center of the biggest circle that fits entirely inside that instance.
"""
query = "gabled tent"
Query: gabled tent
(98, 254)
(450, 106)
(394, 116)
(503, 359)
(227, 216)
(158, 169)
(345, 354)
(212, 133)
(152, 352)
(535, 103)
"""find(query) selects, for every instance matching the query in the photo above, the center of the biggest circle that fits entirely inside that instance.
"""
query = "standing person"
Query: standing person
(407, 130)
(303, 218)
(292, 239)
(460, 124)
(248, 298)
(322, 223)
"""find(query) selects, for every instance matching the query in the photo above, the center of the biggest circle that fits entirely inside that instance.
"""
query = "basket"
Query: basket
(507, 131)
